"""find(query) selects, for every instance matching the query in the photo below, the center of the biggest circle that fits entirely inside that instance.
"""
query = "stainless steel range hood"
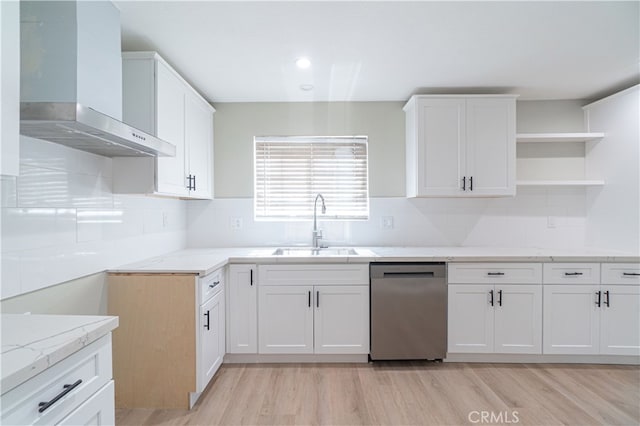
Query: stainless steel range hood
(83, 128)
(71, 79)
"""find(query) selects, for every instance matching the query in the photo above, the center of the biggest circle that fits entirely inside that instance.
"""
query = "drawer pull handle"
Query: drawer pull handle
(572, 274)
(215, 283)
(67, 388)
(631, 274)
(494, 274)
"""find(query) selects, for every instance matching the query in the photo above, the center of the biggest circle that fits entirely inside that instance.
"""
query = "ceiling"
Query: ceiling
(237, 51)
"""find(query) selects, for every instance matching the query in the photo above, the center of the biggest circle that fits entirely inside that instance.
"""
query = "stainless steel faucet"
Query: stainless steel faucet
(317, 233)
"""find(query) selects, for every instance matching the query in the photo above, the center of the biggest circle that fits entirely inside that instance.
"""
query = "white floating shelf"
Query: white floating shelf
(558, 137)
(560, 183)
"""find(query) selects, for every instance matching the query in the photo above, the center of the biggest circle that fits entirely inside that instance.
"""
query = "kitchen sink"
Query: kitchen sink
(308, 251)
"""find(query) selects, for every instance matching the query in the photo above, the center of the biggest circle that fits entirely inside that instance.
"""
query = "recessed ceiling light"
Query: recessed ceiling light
(303, 63)
(306, 87)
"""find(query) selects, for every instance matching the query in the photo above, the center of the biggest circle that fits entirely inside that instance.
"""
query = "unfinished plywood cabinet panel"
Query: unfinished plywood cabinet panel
(161, 357)
(154, 347)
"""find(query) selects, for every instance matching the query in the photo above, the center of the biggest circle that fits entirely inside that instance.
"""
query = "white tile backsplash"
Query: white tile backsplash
(519, 221)
(60, 220)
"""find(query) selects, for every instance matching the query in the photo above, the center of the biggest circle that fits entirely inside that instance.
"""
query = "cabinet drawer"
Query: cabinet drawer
(571, 273)
(211, 284)
(91, 365)
(491, 273)
(621, 273)
(321, 274)
(98, 410)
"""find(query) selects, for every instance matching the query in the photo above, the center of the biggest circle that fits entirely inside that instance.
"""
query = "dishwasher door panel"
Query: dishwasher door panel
(408, 312)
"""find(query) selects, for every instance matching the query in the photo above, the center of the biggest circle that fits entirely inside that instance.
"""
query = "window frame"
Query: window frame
(364, 213)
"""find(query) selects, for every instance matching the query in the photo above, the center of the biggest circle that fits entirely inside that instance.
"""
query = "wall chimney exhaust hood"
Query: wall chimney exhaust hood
(71, 79)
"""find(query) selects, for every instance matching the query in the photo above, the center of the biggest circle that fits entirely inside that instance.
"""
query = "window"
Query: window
(291, 171)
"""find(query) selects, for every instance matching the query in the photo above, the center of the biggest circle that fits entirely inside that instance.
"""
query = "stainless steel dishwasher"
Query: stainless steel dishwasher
(408, 311)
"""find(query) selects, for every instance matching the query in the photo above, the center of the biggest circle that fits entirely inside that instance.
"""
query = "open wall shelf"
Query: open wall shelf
(560, 183)
(558, 137)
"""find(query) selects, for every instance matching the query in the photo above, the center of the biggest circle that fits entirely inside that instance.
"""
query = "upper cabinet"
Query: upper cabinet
(460, 146)
(10, 86)
(157, 100)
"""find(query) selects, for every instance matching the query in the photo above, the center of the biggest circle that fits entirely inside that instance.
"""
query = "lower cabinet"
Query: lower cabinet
(571, 319)
(314, 319)
(76, 390)
(620, 320)
(592, 319)
(97, 410)
(171, 338)
(313, 309)
(503, 318)
(495, 308)
(242, 336)
(212, 338)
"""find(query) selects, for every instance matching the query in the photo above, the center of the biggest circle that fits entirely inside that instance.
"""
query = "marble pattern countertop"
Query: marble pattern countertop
(32, 343)
(204, 261)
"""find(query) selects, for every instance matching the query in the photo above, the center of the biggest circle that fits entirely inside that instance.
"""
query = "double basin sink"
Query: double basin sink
(309, 251)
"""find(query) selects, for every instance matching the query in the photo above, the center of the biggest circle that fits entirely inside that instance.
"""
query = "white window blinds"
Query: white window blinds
(291, 171)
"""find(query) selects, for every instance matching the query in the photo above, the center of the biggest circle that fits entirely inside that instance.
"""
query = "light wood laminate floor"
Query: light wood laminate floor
(417, 393)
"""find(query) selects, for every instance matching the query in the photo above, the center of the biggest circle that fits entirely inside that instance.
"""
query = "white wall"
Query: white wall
(554, 218)
(614, 210)
(237, 123)
(60, 220)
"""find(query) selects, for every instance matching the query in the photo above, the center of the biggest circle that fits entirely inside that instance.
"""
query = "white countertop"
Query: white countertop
(32, 343)
(205, 261)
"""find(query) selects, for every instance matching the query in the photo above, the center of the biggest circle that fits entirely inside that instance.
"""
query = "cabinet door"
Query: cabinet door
(620, 320)
(99, 409)
(470, 323)
(286, 319)
(571, 319)
(199, 145)
(518, 319)
(341, 321)
(440, 142)
(491, 147)
(170, 127)
(243, 310)
(211, 348)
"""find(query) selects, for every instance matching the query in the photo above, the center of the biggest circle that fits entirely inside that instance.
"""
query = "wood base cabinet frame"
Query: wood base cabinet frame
(158, 347)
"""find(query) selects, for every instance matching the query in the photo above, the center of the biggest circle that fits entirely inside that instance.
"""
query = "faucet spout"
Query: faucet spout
(317, 234)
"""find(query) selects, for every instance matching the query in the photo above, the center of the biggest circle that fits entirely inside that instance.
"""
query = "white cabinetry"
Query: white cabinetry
(211, 344)
(77, 390)
(321, 309)
(157, 100)
(460, 146)
(495, 308)
(286, 319)
(242, 330)
(171, 339)
(584, 316)
(10, 87)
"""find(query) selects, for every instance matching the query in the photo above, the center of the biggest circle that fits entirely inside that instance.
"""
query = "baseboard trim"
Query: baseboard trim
(293, 358)
(544, 359)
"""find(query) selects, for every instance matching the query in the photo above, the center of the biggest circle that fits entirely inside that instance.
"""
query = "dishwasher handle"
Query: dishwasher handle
(408, 274)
